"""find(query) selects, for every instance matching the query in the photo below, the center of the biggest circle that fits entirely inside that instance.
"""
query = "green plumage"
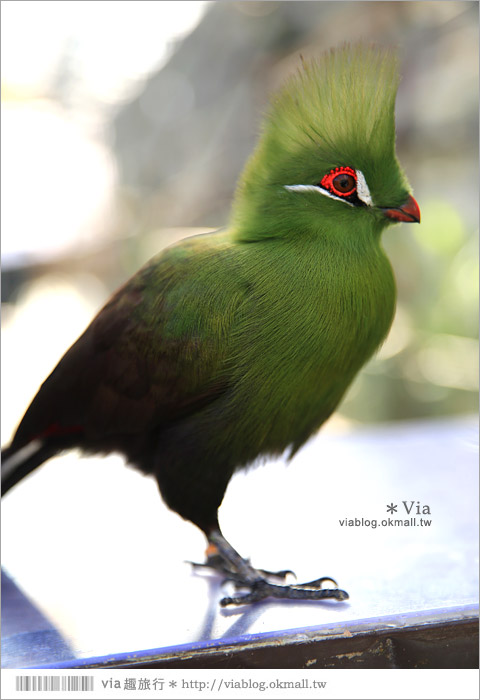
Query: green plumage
(236, 345)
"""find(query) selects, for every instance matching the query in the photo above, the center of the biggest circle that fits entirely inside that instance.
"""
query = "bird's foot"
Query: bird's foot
(261, 588)
(223, 558)
(216, 562)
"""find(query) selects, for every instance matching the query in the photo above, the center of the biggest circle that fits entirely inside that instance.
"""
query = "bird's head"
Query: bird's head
(325, 163)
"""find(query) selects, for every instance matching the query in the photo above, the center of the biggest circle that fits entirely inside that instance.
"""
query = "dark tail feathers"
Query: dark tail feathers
(17, 462)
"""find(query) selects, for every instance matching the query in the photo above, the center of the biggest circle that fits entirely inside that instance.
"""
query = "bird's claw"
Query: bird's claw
(282, 574)
(261, 589)
(317, 583)
(217, 563)
(223, 558)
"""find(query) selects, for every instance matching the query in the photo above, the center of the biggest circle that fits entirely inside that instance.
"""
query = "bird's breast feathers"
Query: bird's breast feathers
(303, 335)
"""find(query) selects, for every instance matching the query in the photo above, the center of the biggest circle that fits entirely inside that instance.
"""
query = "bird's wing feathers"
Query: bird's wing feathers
(152, 355)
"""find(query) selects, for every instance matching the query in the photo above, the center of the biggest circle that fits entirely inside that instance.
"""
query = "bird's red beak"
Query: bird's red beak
(409, 212)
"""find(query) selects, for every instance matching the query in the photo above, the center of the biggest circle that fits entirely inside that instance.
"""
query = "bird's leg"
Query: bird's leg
(228, 561)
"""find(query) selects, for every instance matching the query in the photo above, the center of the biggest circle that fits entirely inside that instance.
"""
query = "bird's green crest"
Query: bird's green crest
(337, 111)
(345, 99)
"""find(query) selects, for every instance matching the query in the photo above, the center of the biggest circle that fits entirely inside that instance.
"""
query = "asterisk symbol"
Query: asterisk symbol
(391, 508)
(173, 684)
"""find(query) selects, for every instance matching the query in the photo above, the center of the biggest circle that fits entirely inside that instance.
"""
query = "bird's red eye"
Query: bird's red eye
(344, 183)
(340, 181)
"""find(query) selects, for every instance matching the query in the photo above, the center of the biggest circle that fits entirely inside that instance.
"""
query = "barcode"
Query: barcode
(51, 683)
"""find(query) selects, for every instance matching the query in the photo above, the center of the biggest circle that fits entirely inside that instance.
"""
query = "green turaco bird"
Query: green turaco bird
(239, 344)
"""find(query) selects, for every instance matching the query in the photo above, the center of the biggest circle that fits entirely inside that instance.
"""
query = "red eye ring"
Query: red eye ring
(349, 181)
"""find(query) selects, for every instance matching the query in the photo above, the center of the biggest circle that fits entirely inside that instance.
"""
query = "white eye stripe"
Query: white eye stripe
(315, 188)
(363, 192)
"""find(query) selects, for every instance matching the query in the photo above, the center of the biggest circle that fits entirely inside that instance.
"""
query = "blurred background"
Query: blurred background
(126, 126)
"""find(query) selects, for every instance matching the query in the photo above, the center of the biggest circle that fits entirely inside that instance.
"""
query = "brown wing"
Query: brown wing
(130, 371)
